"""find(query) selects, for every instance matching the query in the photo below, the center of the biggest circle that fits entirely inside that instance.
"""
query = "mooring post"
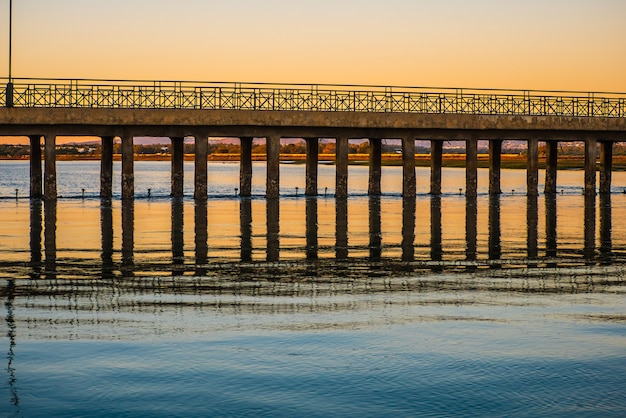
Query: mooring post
(128, 167)
(436, 158)
(606, 166)
(245, 167)
(201, 154)
(471, 167)
(408, 167)
(495, 163)
(273, 167)
(312, 159)
(590, 166)
(375, 167)
(35, 167)
(551, 167)
(178, 164)
(106, 168)
(341, 166)
(50, 178)
(532, 167)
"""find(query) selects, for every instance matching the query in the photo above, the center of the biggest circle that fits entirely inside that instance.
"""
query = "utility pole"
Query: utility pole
(9, 93)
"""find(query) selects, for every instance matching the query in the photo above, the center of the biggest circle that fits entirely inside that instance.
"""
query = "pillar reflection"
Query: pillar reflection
(36, 220)
(375, 232)
(436, 251)
(273, 229)
(590, 227)
(245, 227)
(311, 229)
(551, 237)
(50, 237)
(341, 232)
(471, 227)
(408, 229)
(106, 227)
(495, 250)
(606, 242)
(128, 237)
(178, 241)
(201, 236)
(532, 222)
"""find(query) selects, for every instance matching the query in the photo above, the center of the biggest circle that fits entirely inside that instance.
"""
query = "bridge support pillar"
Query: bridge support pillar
(590, 166)
(201, 153)
(408, 167)
(436, 157)
(50, 178)
(606, 166)
(375, 163)
(532, 167)
(106, 168)
(128, 168)
(495, 159)
(245, 167)
(341, 167)
(471, 167)
(312, 157)
(273, 167)
(178, 163)
(551, 166)
(35, 166)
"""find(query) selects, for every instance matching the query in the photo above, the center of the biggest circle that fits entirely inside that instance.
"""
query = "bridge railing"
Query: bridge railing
(122, 94)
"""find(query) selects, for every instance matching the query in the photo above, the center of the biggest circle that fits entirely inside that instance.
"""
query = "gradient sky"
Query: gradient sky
(530, 44)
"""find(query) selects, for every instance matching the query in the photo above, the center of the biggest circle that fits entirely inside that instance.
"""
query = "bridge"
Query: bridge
(119, 108)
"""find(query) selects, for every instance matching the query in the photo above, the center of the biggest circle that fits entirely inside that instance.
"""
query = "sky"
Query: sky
(530, 44)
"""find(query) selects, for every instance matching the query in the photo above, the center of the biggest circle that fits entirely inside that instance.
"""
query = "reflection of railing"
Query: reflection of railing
(320, 97)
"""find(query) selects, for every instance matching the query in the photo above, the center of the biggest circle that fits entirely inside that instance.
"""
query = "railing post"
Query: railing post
(9, 95)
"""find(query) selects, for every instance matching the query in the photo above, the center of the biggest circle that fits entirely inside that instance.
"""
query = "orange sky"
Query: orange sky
(531, 44)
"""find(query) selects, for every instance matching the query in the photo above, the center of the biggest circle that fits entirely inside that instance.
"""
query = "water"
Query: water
(310, 307)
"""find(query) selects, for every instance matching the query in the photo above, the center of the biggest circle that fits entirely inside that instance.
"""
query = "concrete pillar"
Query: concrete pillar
(471, 227)
(495, 159)
(551, 166)
(471, 167)
(106, 168)
(178, 166)
(532, 168)
(50, 178)
(408, 167)
(245, 167)
(606, 166)
(273, 167)
(106, 229)
(495, 250)
(50, 237)
(312, 157)
(551, 237)
(35, 237)
(532, 222)
(436, 156)
(35, 167)
(375, 162)
(605, 228)
(178, 237)
(201, 153)
(590, 166)
(128, 168)
(341, 167)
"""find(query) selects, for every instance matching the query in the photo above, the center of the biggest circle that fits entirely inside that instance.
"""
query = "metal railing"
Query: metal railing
(125, 94)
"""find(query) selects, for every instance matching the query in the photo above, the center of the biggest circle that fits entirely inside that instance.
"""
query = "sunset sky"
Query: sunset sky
(530, 44)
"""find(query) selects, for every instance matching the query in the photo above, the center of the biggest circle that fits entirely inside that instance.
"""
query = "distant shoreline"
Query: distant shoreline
(511, 161)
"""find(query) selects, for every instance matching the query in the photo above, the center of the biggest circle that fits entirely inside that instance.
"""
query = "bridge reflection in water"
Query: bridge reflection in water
(389, 232)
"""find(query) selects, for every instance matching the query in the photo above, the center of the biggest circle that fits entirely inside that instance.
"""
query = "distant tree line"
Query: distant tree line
(23, 151)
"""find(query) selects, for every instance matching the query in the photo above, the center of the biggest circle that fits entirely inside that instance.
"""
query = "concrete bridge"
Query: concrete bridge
(49, 108)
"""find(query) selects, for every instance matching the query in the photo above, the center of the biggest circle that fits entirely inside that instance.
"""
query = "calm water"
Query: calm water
(311, 307)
